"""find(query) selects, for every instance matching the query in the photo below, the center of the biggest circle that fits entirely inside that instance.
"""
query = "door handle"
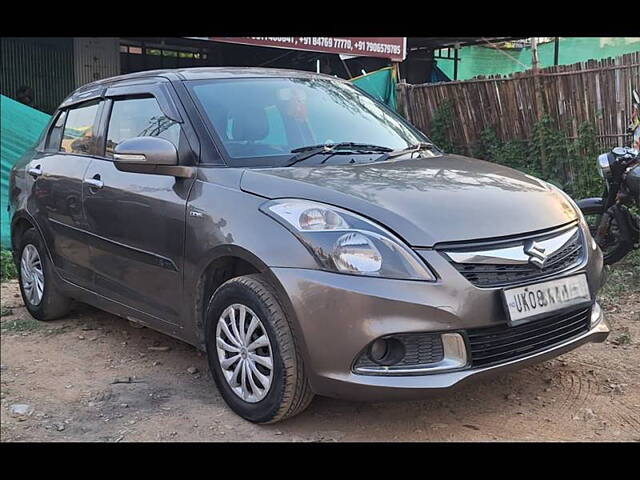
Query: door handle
(94, 182)
(35, 172)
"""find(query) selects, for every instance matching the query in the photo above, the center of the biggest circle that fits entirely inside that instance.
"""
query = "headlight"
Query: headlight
(345, 242)
(604, 168)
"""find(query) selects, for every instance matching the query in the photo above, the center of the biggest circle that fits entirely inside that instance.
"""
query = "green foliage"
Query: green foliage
(623, 339)
(441, 126)
(622, 277)
(511, 153)
(7, 267)
(21, 325)
(583, 176)
(547, 153)
(550, 155)
(549, 148)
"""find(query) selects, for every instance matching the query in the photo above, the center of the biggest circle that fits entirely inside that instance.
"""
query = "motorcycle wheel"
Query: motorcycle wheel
(612, 250)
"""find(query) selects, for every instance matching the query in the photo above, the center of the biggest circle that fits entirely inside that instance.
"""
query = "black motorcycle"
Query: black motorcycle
(612, 221)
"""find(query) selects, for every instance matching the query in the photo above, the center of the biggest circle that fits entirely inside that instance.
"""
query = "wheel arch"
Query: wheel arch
(222, 264)
(20, 223)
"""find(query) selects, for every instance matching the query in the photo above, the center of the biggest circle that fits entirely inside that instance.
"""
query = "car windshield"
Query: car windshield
(261, 120)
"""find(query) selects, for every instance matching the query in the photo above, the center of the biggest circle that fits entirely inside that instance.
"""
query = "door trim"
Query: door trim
(121, 249)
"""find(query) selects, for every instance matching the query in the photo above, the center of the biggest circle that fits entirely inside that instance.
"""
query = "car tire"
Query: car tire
(48, 303)
(610, 253)
(288, 392)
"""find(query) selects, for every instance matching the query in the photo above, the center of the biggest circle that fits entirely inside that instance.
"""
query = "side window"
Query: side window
(79, 134)
(55, 134)
(139, 117)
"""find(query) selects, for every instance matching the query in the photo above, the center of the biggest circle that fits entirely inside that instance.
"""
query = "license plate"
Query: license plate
(533, 301)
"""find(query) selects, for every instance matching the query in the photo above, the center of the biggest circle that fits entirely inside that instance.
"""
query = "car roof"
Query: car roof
(235, 72)
(97, 88)
(196, 73)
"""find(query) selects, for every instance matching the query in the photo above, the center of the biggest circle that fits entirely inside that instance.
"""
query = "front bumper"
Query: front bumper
(337, 316)
(359, 387)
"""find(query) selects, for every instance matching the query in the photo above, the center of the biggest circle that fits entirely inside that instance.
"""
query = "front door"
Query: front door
(137, 220)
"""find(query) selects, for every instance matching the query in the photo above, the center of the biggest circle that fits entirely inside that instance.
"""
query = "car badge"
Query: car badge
(536, 254)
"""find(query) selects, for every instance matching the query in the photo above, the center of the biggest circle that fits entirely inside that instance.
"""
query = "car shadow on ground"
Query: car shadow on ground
(438, 409)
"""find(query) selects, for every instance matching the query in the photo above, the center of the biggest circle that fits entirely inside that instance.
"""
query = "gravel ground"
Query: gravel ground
(96, 377)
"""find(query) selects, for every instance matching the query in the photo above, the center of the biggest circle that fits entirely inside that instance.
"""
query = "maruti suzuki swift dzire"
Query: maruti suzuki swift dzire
(305, 236)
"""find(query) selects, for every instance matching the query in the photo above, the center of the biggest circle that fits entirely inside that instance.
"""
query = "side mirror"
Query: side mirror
(146, 151)
(149, 155)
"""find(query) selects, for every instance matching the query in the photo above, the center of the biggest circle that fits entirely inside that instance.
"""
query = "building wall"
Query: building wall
(54, 67)
(44, 64)
(95, 58)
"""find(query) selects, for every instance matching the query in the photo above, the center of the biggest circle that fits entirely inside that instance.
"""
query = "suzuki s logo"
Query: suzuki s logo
(536, 254)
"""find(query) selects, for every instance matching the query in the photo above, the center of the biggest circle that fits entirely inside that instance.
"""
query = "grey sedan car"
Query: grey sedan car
(306, 237)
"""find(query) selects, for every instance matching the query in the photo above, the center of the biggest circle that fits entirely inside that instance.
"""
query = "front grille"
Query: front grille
(497, 275)
(499, 344)
(420, 349)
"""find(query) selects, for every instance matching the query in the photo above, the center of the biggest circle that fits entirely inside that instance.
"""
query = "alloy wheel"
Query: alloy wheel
(32, 274)
(244, 353)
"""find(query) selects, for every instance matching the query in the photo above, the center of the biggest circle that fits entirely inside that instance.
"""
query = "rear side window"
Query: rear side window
(55, 134)
(79, 134)
(139, 117)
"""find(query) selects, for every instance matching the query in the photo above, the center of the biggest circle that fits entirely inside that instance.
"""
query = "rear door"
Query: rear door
(137, 220)
(56, 202)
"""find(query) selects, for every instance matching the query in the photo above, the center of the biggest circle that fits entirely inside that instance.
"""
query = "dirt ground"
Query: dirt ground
(96, 377)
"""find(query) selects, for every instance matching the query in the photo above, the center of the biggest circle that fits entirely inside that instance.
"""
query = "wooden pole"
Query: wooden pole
(455, 61)
(344, 64)
(535, 71)
(534, 54)
(556, 49)
(539, 103)
(396, 69)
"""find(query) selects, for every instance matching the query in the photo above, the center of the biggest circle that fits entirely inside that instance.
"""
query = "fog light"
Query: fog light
(413, 354)
(378, 350)
(386, 351)
(596, 314)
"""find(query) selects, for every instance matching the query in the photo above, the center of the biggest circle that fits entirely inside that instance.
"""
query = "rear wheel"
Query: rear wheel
(613, 250)
(252, 353)
(36, 278)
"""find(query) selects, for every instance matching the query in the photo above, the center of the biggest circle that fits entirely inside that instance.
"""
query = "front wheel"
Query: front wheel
(252, 352)
(613, 250)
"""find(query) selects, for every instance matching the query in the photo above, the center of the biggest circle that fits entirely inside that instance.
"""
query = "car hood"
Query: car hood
(425, 201)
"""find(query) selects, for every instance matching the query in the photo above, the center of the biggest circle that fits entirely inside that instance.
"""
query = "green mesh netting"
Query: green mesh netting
(20, 128)
(477, 60)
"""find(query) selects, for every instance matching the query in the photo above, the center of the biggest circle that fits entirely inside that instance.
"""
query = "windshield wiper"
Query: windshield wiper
(418, 147)
(302, 153)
